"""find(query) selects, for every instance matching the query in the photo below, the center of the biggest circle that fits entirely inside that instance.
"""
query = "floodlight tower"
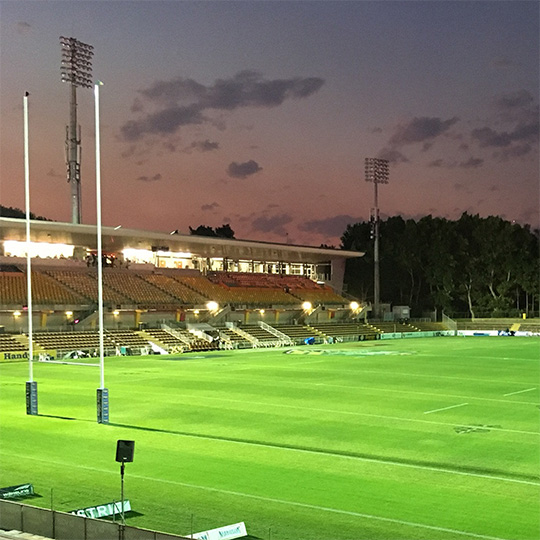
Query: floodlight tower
(377, 171)
(76, 69)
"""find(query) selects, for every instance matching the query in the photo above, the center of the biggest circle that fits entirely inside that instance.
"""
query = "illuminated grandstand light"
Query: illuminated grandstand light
(306, 306)
(69, 314)
(261, 311)
(212, 306)
(116, 313)
(16, 314)
(44, 250)
(354, 306)
(195, 311)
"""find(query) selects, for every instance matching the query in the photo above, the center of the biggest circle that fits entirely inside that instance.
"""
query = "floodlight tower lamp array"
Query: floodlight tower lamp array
(378, 172)
(76, 70)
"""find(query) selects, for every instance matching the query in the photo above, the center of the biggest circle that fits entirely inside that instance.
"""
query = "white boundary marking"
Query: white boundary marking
(354, 413)
(278, 501)
(446, 408)
(67, 363)
(520, 391)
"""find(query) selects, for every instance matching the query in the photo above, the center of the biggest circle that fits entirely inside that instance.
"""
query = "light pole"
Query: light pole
(76, 69)
(377, 171)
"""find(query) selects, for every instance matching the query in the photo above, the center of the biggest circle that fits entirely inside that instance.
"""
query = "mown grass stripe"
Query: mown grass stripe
(275, 500)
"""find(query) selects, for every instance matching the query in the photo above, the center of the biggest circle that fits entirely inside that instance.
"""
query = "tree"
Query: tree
(224, 231)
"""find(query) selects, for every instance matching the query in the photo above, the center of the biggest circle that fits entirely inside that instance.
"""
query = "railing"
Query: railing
(450, 323)
(248, 337)
(61, 525)
(284, 339)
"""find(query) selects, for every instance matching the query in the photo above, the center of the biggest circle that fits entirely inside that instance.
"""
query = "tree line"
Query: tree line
(470, 267)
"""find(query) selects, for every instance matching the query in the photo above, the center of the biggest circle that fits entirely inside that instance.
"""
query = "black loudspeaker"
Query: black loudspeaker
(124, 451)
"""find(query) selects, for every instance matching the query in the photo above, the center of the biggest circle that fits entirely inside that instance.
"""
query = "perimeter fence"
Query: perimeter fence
(65, 526)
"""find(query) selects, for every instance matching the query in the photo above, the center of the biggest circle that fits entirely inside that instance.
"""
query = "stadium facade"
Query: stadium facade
(58, 249)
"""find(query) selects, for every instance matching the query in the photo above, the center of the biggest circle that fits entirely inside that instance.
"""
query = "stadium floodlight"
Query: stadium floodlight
(354, 306)
(76, 70)
(306, 306)
(212, 306)
(377, 171)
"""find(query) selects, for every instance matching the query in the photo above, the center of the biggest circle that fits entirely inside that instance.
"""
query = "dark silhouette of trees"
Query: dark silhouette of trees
(472, 266)
(224, 231)
(17, 213)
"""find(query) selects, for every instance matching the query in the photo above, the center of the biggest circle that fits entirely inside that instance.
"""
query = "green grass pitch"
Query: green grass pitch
(385, 440)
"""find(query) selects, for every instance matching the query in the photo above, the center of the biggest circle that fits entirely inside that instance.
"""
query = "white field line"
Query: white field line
(351, 413)
(67, 363)
(387, 390)
(520, 391)
(446, 408)
(277, 501)
(408, 374)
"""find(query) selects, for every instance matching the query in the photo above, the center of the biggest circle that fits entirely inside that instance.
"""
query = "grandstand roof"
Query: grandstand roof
(117, 239)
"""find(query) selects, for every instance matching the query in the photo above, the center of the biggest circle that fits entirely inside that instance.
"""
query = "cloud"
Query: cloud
(243, 170)
(154, 178)
(512, 152)
(207, 207)
(164, 122)
(181, 102)
(522, 133)
(512, 100)
(203, 146)
(436, 163)
(23, 27)
(419, 130)
(503, 62)
(331, 226)
(272, 224)
(471, 163)
(392, 155)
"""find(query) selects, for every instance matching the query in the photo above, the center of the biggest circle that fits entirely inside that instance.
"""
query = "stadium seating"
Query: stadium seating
(45, 290)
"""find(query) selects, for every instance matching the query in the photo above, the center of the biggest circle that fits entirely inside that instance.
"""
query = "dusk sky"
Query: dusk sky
(260, 113)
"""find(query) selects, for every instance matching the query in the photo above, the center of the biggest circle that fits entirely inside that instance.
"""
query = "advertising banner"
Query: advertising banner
(222, 533)
(102, 510)
(17, 492)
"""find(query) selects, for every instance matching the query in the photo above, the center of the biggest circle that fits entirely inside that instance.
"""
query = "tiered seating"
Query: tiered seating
(297, 332)
(323, 295)
(207, 289)
(138, 290)
(175, 288)
(301, 287)
(10, 344)
(164, 338)
(45, 290)
(392, 327)
(85, 283)
(259, 333)
(346, 330)
(428, 326)
(127, 338)
(232, 335)
(71, 340)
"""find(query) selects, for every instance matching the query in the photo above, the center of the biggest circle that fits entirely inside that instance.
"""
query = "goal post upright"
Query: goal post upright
(102, 392)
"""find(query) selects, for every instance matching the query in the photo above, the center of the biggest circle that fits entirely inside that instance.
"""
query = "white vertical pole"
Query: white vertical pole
(28, 263)
(99, 247)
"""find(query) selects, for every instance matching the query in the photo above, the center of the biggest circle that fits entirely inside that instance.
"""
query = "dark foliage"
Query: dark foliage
(472, 266)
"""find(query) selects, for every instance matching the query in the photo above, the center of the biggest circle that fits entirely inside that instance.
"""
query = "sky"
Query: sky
(260, 113)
